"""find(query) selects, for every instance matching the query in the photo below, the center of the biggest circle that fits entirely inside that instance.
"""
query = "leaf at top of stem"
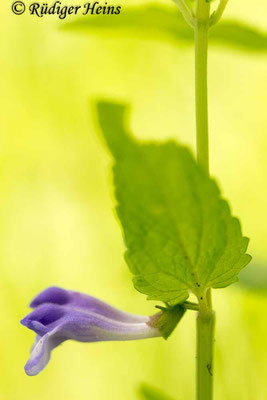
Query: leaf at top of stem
(179, 232)
(157, 22)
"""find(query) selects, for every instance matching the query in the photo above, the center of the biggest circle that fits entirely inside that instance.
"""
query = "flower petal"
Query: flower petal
(61, 296)
(41, 353)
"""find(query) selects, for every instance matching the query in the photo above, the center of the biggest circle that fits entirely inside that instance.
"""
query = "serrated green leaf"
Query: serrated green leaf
(147, 392)
(178, 230)
(157, 22)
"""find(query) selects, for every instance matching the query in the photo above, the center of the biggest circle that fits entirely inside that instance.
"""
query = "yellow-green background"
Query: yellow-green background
(57, 225)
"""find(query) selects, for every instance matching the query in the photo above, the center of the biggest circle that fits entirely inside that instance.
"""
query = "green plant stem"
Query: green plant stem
(205, 339)
(201, 56)
(206, 317)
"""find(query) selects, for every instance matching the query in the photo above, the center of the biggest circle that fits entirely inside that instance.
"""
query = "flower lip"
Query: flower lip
(52, 294)
(45, 315)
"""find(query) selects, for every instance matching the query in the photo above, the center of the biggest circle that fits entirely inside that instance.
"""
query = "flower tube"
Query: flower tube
(61, 315)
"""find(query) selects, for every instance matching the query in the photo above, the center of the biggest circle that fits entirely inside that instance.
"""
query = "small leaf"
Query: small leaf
(239, 35)
(148, 392)
(157, 22)
(178, 230)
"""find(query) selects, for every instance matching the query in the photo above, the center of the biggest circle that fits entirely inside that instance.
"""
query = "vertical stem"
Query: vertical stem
(205, 339)
(201, 55)
(206, 317)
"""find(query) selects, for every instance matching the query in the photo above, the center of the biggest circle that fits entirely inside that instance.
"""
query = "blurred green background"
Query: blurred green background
(57, 225)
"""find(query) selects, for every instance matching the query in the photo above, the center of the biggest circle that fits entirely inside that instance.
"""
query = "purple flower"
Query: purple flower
(60, 315)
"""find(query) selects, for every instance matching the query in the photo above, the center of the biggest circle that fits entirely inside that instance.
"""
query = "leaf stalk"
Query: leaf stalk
(190, 306)
(186, 12)
(216, 16)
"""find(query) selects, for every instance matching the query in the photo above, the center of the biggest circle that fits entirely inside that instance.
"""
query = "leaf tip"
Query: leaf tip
(112, 119)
